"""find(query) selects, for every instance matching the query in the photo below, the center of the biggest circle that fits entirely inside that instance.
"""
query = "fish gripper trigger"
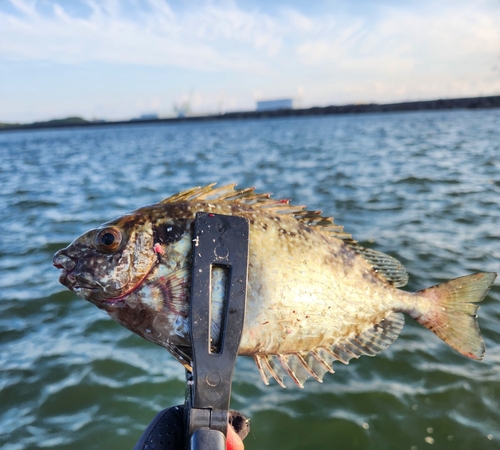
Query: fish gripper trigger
(220, 244)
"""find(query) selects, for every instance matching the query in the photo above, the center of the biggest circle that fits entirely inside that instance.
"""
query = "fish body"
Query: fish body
(314, 295)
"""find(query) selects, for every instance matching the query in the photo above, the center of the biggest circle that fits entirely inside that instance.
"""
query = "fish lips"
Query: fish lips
(67, 279)
(67, 264)
(71, 279)
(78, 286)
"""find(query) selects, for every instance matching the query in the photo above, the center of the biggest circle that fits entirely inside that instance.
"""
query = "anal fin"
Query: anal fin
(269, 368)
(294, 365)
(315, 363)
(372, 341)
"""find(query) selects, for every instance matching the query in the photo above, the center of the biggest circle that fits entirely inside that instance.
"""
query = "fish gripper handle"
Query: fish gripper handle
(219, 241)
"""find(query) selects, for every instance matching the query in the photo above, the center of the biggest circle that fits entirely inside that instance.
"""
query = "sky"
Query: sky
(118, 59)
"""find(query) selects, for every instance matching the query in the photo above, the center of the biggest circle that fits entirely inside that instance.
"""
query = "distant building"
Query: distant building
(145, 117)
(273, 105)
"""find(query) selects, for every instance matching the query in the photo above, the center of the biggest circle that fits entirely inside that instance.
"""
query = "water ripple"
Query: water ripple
(423, 187)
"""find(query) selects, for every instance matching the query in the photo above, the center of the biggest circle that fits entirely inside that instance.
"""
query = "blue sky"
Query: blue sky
(116, 59)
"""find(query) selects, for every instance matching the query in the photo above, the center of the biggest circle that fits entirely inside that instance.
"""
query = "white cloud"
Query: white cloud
(444, 51)
(156, 36)
(381, 53)
(209, 37)
(403, 35)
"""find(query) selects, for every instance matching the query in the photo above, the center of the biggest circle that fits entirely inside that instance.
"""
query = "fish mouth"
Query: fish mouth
(78, 286)
(67, 264)
(68, 279)
(122, 297)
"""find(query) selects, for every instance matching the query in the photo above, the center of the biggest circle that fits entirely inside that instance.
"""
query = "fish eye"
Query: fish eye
(108, 240)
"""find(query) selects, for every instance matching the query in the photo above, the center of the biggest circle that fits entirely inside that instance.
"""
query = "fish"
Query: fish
(315, 296)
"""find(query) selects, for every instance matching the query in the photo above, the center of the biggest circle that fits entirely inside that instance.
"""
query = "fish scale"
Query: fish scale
(315, 295)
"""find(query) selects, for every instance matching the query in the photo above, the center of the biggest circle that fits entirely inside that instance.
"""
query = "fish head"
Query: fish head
(108, 263)
(136, 268)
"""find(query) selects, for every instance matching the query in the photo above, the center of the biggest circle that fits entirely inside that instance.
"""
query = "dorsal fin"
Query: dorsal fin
(387, 266)
(300, 366)
(192, 194)
(249, 197)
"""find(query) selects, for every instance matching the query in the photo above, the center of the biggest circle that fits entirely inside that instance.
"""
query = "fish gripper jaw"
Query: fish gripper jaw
(218, 241)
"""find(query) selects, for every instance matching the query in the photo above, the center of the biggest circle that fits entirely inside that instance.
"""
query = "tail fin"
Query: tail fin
(452, 309)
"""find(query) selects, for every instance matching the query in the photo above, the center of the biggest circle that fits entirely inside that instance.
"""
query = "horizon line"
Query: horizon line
(483, 102)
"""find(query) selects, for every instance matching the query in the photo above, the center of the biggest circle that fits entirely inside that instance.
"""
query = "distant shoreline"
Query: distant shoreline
(426, 105)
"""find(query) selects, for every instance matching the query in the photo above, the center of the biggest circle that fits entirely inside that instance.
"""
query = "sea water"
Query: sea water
(422, 186)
